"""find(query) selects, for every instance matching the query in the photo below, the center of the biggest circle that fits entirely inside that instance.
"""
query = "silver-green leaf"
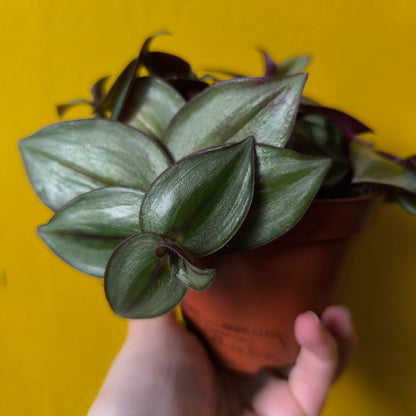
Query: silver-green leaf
(182, 268)
(201, 201)
(285, 186)
(151, 106)
(67, 159)
(407, 201)
(293, 65)
(232, 110)
(88, 229)
(137, 282)
(370, 166)
(190, 275)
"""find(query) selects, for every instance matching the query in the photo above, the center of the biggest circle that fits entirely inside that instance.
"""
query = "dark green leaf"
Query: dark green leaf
(347, 124)
(188, 88)
(285, 186)
(67, 159)
(165, 65)
(151, 106)
(201, 201)
(370, 166)
(231, 110)
(269, 66)
(98, 93)
(137, 282)
(88, 229)
(63, 108)
(119, 93)
(313, 135)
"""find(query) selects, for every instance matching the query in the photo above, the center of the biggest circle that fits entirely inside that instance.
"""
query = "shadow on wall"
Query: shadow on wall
(377, 284)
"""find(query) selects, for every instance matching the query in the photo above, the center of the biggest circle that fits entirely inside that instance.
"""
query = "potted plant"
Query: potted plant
(178, 179)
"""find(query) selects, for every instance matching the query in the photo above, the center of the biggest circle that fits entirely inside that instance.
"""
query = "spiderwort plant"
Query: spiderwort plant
(171, 168)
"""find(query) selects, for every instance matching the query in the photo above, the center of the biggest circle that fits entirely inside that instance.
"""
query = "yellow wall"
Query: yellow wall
(57, 335)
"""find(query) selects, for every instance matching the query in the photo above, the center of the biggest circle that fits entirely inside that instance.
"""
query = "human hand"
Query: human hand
(163, 370)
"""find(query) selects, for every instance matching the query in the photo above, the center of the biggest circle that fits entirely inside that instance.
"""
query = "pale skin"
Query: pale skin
(163, 370)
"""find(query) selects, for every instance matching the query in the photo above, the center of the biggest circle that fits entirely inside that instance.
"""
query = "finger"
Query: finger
(146, 328)
(337, 321)
(305, 391)
(316, 365)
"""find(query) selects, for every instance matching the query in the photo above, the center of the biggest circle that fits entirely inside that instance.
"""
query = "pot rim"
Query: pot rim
(320, 220)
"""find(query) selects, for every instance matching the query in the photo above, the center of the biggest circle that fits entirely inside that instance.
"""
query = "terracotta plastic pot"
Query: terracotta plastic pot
(246, 316)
